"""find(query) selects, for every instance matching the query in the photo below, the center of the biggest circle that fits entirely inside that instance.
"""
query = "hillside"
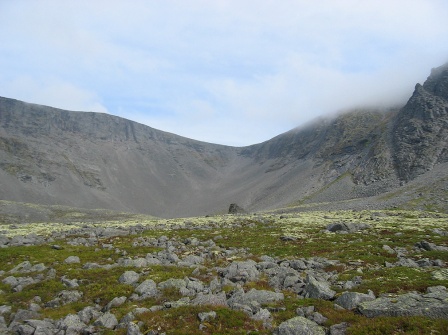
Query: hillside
(90, 160)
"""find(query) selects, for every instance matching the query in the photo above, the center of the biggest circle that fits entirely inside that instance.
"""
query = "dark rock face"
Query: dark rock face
(421, 131)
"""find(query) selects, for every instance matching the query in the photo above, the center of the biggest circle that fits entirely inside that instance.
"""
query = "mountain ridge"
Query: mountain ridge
(92, 160)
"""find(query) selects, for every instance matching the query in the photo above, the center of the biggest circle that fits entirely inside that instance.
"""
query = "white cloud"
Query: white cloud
(55, 93)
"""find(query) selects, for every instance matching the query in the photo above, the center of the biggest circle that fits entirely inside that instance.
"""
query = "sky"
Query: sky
(233, 72)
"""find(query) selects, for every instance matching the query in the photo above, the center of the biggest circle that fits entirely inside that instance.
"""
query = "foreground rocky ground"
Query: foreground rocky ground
(341, 272)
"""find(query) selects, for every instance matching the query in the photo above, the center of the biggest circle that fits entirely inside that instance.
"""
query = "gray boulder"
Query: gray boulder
(72, 260)
(192, 260)
(26, 267)
(151, 260)
(24, 330)
(440, 274)
(339, 329)
(64, 297)
(129, 278)
(3, 325)
(140, 262)
(70, 283)
(133, 329)
(347, 227)
(206, 316)
(4, 240)
(317, 289)
(425, 245)
(210, 299)
(242, 271)
(261, 297)
(147, 289)
(71, 324)
(176, 283)
(5, 310)
(299, 326)
(20, 316)
(115, 302)
(167, 257)
(88, 314)
(42, 327)
(433, 304)
(107, 320)
(350, 300)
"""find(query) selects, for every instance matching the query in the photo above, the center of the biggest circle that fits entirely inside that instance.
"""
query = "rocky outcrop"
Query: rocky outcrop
(421, 131)
(235, 209)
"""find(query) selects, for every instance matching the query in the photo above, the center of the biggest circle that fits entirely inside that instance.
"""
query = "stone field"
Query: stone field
(333, 272)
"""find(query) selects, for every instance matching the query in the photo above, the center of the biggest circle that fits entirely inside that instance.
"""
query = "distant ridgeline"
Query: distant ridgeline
(91, 160)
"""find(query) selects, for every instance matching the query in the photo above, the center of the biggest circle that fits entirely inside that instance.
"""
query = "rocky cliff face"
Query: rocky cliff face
(421, 127)
(92, 160)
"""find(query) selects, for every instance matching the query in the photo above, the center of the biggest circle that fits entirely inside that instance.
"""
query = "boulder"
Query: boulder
(433, 304)
(210, 299)
(317, 289)
(115, 302)
(71, 324)
(350, 300)
(440, 274)
(206, 316)
(72, 260)
(129, 278)
(42, 327)
(89, 313)
(425, 245)
(175, 283)
(347, 227)
(147, 289)
(261, 297)
(133, 329)
(107, 320)
(235, 209)
(299, 326)
(64, 297)
(242, 271)
(339, 329)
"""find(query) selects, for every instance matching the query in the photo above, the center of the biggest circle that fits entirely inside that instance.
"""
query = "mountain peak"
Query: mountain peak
(437, 82)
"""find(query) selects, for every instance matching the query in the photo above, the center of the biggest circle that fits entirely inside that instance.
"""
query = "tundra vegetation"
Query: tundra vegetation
(226, 274)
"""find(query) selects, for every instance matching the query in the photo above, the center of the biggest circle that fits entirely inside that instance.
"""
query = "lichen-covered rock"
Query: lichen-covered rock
(129, 278)
(115, 302)
(210, 299)
(71, 324)
(347, 227)
(242, 271)
(317, 289)
(206, 316)
(433, 304)
(107, 320)
(147, 289)
(72, 260)
(262, 297)
(299, 326)
(350, 300)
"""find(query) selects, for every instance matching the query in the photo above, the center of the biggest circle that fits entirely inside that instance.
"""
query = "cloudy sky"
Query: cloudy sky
(234, 72)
